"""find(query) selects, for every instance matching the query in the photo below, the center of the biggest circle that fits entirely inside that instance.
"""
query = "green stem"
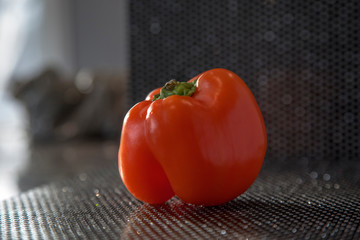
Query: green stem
(174, 87)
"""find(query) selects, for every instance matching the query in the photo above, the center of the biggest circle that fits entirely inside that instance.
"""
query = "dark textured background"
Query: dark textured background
(299, 58)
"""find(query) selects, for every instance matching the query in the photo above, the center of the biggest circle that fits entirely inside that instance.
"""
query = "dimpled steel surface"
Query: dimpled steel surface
(95, 206)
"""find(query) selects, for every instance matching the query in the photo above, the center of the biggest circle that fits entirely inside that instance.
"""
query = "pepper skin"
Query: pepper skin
(206, 148)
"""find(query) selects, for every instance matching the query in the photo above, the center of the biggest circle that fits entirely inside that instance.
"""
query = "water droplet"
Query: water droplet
(286, 99)
(306, 74)
(336, 186)
(299, 181)
(313, 175)
(83, 177)
(223, 232)
(84, 81)
(263, 79)
(288, 18)
(294, 230)
(233, 5)
(155, 28)
(349, 117)
(326, 177)
(269, 36)
(117, 191)
(314, 182)
(305, 34)
(300, 111)
(305, 127)
(309, 202)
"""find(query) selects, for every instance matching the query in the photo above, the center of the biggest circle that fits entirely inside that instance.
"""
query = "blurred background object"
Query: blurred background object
(88, 105)
(66, 64)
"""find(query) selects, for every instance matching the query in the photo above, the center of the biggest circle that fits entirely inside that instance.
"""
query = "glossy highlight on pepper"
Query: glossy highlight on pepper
(203, 140)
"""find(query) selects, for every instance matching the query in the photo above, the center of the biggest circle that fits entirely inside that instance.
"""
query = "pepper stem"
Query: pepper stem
(174, 87)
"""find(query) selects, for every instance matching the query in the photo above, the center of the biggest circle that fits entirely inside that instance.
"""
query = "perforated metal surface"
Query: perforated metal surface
(95, 206)
(300, 59)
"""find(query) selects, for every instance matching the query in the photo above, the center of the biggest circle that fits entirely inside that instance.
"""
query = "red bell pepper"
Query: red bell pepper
(203, 140)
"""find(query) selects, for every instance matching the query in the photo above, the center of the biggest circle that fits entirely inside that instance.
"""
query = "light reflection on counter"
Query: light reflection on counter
(13, 146)
(25, 165)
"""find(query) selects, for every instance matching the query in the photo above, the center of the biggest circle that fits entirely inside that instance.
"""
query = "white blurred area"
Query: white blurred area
(36, 34)
(32, 35)
(13, 141)
(13, 146)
